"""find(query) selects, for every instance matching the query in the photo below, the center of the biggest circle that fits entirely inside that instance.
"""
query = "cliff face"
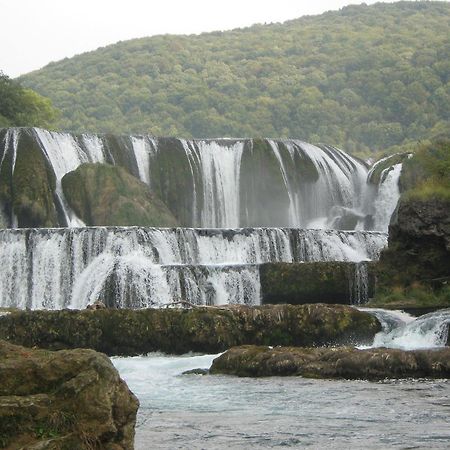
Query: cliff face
(419, 244)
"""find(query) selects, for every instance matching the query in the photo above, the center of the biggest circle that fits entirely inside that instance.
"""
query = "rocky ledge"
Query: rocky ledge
(200, 329)
(63, 400)
(340, 362)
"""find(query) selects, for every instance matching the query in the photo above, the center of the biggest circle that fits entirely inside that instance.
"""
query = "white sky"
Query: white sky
(36, 32)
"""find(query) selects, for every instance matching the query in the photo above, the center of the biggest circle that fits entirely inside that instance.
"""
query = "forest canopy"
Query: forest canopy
(22, 107)
(365, 78)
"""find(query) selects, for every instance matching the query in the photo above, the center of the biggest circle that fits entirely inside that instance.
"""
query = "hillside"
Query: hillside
(366, 78)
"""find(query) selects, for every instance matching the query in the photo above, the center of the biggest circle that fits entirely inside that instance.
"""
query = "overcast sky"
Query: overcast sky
(36, 32)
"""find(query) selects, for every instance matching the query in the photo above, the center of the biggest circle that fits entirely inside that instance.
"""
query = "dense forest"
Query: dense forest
(366, 78)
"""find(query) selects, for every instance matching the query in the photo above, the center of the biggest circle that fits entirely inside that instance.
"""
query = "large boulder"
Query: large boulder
(67, 399)
(102, 194)
(201, 329)
(341, 362)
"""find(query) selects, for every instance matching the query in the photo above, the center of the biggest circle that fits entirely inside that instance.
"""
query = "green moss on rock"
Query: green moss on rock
(101, 194)
(203, 329)
(72, 399)
(343, 362)
(29, 193)
(315, 282)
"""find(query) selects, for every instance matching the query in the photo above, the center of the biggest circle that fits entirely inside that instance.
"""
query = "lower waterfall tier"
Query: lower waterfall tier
(150, 267)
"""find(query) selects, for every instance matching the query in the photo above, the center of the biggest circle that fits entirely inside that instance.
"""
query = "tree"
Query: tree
(22, 107)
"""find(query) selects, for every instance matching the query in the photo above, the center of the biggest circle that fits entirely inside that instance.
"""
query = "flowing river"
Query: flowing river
(215, 412)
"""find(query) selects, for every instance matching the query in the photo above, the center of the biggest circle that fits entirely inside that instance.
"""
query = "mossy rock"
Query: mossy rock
(264, 200)
(386, 163)
(177, 331)
(27, 185)
(343, 362)
(315, 282)
(101, 194)
(73, 399)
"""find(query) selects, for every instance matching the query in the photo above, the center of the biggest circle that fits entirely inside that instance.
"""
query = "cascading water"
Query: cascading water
(221, 186)
(387, 197)
(403, 331)
(142, 267)
(320, 183)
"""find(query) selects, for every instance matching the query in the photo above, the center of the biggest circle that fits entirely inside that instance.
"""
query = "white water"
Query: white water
(150, 267)
(220, 166)
(65, 155)
(403, 331)
(387, 197)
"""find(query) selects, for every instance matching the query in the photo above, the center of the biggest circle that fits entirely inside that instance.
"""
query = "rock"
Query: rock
(29, 192)
(68, 399)
(196, 372)
(341, 362)
(301, 283)
(102, 194)
(98, 304)
(201, 329)
(419, 244)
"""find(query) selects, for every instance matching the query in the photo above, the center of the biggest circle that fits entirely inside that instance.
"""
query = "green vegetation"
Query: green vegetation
(415, 296)
(427, 175)
(21, 107)
(365, 78)
(101, 194)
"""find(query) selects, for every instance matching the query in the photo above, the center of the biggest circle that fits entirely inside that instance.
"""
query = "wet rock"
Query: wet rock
(340, 362)
(419, 245)
(196, 372)
(68, 399)
(201, 329)
(322, 282)
(102, 194)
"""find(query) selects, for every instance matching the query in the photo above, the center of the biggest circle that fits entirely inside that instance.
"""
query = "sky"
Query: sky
(36, 32)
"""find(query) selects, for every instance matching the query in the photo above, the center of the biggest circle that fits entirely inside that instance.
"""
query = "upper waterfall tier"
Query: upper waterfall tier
(223, 183)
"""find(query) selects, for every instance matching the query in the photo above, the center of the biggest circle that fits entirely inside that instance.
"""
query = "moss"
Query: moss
(264, 199)
(101, 194)
(33, 186)
(206, 329)
(300, 283)
(385, 163)
(173, 182)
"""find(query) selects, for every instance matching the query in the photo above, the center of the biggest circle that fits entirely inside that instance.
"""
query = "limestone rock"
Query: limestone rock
(102, 194)
(72, 399)
(201, 329)
(340, 362)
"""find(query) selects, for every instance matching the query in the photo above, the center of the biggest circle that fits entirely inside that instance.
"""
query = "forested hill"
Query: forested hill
(364, 78)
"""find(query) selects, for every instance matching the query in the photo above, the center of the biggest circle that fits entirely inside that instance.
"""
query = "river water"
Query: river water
(223, 412)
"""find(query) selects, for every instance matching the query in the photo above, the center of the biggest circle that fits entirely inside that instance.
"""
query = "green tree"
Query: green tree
(21, 107)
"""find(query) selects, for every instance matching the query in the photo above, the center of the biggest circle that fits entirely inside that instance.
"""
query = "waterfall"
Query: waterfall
(321, 185)
(64, 155)
(143, 267)
(387, 197)
(220, 168)
(400, 330)
(359, 284)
